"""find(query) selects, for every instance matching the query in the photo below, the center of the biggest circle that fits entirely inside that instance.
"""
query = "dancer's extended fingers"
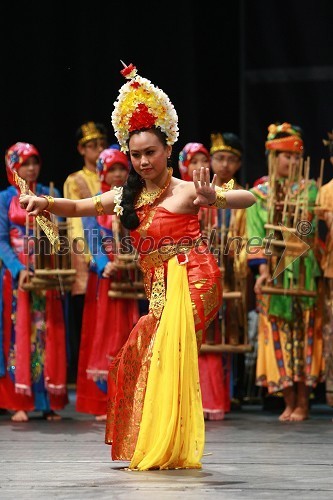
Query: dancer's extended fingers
(207, 176)
(214, 181)
(195, 179)
(202, 176)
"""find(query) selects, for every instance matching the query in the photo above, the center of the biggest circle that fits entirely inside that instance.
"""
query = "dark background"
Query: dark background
(229, 66)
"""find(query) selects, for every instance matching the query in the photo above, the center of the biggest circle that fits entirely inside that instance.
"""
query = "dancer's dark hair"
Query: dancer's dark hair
(133, 186)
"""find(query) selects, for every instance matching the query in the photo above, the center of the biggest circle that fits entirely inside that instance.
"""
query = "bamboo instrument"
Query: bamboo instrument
(216, 348)
(295, 291)
(50, 229)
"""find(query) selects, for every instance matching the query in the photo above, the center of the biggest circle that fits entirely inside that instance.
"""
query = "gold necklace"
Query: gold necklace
(149, 197)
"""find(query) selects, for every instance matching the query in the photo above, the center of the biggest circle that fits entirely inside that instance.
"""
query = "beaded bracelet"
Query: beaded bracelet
(50, 201)
(98, 204)
(221, 199)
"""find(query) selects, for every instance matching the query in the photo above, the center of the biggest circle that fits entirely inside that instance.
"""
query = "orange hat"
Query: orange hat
(291, 141)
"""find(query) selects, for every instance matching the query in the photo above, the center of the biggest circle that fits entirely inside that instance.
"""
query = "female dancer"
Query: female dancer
(155, 416)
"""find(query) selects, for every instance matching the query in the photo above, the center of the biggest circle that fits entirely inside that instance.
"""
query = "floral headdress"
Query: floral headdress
(292, 142)
(140, 105)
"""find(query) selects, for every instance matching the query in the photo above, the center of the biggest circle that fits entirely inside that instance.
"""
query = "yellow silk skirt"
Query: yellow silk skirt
(172, 429)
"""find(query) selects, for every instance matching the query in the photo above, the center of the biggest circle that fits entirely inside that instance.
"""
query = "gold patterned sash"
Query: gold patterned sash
(152, 265)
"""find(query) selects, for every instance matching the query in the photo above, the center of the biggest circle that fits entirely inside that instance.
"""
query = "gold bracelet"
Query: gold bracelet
(50, 201)
(98, 204)
(221, 200)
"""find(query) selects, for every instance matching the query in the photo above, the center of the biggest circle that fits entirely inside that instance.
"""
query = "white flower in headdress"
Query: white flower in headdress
(118, 209)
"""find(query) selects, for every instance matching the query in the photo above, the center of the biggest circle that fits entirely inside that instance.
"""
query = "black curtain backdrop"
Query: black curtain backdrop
(229, 66)
(286, 75)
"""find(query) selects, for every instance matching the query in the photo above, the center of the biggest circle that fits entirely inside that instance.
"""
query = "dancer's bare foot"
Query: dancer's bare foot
(301, 411)
(289, 397)
(20, 416)
(51, 415)
(285, 416)
(299, 414)
(100, 418)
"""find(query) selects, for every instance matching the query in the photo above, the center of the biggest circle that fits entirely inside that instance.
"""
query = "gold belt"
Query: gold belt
(155, 260)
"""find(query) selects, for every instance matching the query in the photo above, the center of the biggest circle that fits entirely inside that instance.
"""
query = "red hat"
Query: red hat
(17, 155)
(106, 160)
(186, 155)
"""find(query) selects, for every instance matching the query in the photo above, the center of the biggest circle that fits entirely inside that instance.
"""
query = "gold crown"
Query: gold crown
(90, 132)
(218, 144)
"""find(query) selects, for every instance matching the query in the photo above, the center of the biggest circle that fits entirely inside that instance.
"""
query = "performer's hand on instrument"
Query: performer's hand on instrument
(109, 269)
(205, 190)
(23, 278)
(259, 283)
(34, 205)
(262, 278)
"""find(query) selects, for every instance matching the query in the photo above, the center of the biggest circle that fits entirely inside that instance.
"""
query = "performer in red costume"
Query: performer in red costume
(155, 416)
(107, 321)
(32, 323)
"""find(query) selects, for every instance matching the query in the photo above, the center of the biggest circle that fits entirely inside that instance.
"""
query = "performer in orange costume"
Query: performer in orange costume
(155, 415)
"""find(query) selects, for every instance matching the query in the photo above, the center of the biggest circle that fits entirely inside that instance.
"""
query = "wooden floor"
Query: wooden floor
(248, 455)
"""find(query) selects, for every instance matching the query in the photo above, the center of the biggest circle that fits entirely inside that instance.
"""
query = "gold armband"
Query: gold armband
(50, 201)
(221, 200)
(98, 204)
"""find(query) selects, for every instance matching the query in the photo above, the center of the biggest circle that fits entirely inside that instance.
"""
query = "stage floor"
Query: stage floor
(248, 455)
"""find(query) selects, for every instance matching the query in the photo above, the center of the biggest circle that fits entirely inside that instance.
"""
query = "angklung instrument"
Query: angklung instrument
(48, 253)
(127, 282)
(289, 233)
(228, 246)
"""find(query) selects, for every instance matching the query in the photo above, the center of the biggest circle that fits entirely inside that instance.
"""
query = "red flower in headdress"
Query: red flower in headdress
(141, 118)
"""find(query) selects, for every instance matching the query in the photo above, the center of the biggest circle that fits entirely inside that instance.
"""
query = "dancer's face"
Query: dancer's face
(149, 155)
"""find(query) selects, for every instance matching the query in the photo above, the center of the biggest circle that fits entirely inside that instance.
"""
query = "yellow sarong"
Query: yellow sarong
(172, 429)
